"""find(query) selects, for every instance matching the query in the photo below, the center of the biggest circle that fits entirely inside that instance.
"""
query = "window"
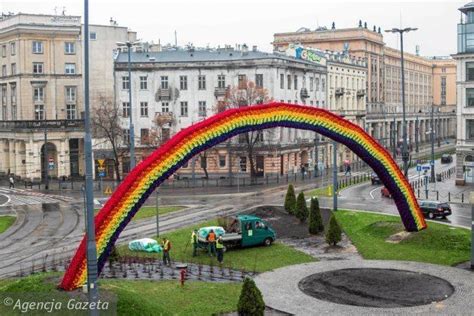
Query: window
(221, 81)
(92, 36)
(183, 82)
(259, 80)
(443, 69)
(443, 90)
(202, 108)
(4, 70)
(71, 94)
(184, 108)
(144, 132)
(37, 68)
(4, 95)
(143, 109)
(125, 83)
(296, 82)
(70, 111)
(38, 94)
(221, 161)
(470, 71)
(203, 162)
(311, 84)
(317, 84)
(323, 84)
(470, 97)
(243, 163)
(4, 50)
(470, 129)
(13, 48)
(143, 83)
(39, 112)
(37, 47)
(164, 82)
(288, 82)
(70, 69)
(125, 109)
(202, 82)
(242, 81)
(165, 107)
(282, 81)
(13, 94)
(126, 136)
(13, 69)
(69, 48)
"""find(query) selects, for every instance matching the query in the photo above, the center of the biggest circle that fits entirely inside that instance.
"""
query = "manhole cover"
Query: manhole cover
(376, 287)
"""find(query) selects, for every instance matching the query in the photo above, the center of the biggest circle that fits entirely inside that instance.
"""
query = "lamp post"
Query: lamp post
(92, 270)
(404, 128)
(316, 156)
(129, 45)
(334, 175)
(157, 214)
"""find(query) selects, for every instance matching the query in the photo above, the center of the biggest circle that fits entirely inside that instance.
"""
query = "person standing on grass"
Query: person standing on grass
(211, 239)
(12, 182)
(166, 251)
(194, 242)
(220, 249)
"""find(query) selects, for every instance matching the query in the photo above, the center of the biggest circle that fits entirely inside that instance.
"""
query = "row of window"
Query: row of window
(165, 108)
(183, 82)
(38, 69)
(12, 49)
(39, 112)
(294, 80)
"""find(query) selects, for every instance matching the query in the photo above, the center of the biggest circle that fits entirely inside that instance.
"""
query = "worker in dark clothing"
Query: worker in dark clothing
(211, 239)
(194, 242)
(166, 251)
(220, 249)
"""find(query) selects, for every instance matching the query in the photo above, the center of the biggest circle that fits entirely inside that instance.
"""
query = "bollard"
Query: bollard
(418, 193)
(437, 195)
(266, 178)
(462, 198)
(449, 196)
(426, 194)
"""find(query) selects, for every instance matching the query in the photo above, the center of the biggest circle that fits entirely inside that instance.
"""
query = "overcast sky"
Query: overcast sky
(220, 22)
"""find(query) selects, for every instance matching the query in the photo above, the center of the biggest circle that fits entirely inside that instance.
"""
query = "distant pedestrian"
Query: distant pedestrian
(348, 170)
(211, 240)
(12, 182)
(220, 249)
(166, 251)
(194, 241)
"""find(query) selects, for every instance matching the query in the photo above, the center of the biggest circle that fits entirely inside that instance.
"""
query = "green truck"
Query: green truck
(245, 231)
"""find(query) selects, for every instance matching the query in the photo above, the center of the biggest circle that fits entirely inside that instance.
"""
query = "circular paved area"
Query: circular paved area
(280, 289)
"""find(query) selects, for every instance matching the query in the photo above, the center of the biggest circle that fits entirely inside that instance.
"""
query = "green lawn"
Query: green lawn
(149, 211)
(5, 222)
(141, 297)
(324, 191)
(439, 244)
(251, 259)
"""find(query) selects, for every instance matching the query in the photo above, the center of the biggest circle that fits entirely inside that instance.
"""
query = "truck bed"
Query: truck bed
(226, 237)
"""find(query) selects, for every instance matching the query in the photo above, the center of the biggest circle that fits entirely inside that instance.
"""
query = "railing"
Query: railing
(42, 124)
(219, 91)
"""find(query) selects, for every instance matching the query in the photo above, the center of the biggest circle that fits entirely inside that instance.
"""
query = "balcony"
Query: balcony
(66, 125)
(304, 93)
(163, 95)
(220, 92)
(164, 119)
(360, 93)
(339, 92)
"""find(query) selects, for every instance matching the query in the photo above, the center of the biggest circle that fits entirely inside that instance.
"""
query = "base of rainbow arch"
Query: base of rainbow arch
(164, 161)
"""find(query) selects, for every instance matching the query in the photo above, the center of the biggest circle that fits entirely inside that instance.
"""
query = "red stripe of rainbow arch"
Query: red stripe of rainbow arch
(150, 173)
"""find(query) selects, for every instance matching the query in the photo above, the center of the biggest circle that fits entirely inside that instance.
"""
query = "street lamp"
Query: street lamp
(45, 150)
(129, 45)
(404, 148)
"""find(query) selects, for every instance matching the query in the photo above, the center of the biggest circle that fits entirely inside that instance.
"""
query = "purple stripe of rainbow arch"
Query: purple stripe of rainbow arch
(163, 162)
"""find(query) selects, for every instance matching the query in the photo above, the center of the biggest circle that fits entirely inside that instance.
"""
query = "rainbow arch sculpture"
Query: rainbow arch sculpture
(164, 161)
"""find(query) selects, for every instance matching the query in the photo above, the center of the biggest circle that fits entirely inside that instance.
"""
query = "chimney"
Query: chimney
(254, 48)
(245, 49)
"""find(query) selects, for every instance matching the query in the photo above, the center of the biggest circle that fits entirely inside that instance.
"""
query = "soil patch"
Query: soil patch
(398, 237)
(373, 287)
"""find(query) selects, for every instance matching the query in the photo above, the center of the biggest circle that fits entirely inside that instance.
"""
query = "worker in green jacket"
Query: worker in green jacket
(220, 249)
(194, 242)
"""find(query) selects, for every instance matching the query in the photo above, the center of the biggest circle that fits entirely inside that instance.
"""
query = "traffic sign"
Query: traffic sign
(426, 167)
(50, 163)
(418, 167)
(101, 174)
(108, 190)
(101, 163)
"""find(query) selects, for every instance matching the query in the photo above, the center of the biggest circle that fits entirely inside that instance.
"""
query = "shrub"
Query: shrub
(250, 300)
(301, 210)
(290, 200)
(315, 220)
(334, 232)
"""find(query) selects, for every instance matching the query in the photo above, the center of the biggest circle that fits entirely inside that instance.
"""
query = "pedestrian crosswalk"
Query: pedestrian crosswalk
(28, 197)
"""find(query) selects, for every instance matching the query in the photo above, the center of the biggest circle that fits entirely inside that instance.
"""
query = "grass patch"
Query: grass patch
(324, 191)
(257, 259)
(5, 222)
(140, 297)
(438, 244)
(149, 211)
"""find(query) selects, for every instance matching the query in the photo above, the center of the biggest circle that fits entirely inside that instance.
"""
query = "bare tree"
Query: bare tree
(246, 94)
(105, 121)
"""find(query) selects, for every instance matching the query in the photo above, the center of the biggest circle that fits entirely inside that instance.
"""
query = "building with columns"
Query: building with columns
(465, 98)
(384, 114)
(179, 87)
(41, 90)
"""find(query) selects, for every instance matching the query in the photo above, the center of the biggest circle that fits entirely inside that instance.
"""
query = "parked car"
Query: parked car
(446, 158)
(385, 193)
(375, 178)
(433, 209)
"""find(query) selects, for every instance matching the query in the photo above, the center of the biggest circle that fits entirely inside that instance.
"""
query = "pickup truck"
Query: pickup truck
(245, 231)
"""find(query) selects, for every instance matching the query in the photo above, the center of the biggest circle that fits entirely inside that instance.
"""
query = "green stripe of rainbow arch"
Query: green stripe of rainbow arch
(164, 161)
